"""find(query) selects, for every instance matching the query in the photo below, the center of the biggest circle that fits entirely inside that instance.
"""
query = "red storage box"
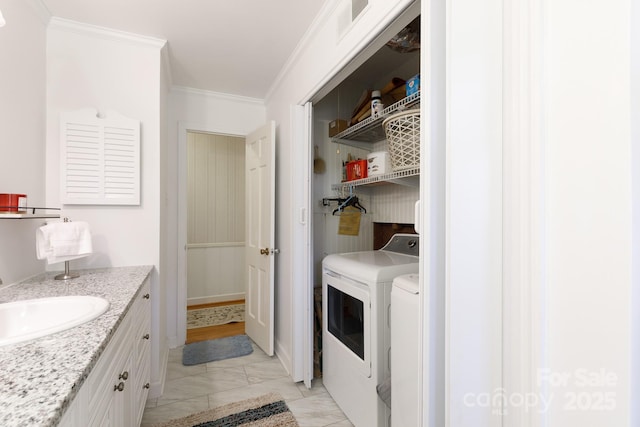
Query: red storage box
(13, 202)
(356, 169)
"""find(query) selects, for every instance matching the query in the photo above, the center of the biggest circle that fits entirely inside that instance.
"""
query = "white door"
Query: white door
(260, 251)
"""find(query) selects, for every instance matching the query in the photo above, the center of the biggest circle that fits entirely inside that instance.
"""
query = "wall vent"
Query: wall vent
(348, 11)
(357, 6)
(100, 159)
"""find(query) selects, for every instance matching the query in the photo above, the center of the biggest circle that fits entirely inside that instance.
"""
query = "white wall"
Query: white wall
(199, 111)
(108, 70)
(635, 196)
(160, 346)
(22, 132)
(327, 47)
(473, 215)
(588, 211)
(216, 218)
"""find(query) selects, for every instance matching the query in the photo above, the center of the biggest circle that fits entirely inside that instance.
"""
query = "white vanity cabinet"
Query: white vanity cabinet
(115, 392)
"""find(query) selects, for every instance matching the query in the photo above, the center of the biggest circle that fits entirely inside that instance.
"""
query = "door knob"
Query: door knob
(264, 251)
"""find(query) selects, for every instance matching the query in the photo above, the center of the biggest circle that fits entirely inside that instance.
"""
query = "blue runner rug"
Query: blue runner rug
(219, 349)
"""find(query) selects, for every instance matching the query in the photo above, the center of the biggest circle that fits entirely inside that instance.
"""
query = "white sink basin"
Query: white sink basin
(35, 318)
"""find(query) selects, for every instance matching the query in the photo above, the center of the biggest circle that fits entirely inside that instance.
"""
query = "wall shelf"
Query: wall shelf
(370, 130)
(406, 177)
(31, 213)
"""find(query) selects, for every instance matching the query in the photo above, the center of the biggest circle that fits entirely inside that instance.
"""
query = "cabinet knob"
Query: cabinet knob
(119, 387)
(123, 376)
(145, 337)
(145, 296)
(147, 386)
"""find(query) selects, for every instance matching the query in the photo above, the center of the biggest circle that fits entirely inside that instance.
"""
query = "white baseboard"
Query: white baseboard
(157, 387)
(215, 298)
(174, 342)
(283, 357)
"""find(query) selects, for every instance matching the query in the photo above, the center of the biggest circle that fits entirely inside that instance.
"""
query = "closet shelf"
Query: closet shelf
(370, 129)
(406, 177)
(31, 213)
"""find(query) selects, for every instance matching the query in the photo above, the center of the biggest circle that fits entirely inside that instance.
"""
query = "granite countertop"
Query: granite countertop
(40, 378)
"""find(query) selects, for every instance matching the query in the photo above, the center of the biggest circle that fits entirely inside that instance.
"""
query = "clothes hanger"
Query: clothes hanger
(352, 200)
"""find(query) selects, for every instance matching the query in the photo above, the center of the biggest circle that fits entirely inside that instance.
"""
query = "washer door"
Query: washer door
(348, 322)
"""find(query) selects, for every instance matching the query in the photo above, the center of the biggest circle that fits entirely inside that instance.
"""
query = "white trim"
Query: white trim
(346, 65)
(321, 19)
(523, 208)
(300, 241)
(156, 388)
(41, 10)
(635, 209)
(283, 356)
(217, 95)
(432, 220)
(61, 24)
(165, 59)
(214, 245)
(215, 298)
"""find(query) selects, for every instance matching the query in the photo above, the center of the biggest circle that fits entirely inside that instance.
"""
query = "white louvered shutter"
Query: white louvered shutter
(100, 159)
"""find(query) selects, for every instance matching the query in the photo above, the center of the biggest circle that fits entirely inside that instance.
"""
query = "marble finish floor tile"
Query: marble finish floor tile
(316, 411)
(191, 389)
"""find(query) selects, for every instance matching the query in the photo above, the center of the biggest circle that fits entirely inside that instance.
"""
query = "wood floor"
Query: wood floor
(218, 331)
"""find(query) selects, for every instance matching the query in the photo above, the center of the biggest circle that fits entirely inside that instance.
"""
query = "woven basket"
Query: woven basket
(403, 136)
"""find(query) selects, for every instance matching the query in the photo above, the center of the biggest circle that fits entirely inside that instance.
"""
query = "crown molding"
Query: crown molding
(41, 10)
(56, 23)
(165, 58)
(321, 19)
(324, 18)
(217, 95)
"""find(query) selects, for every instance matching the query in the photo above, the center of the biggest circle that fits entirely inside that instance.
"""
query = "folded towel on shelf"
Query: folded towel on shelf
(63, 241)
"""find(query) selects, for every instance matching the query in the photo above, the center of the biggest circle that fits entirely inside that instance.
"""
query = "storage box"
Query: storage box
(378, 163)
(337, 126)
(403, 139)
(413, 85)
(356, 169)
(13, 202)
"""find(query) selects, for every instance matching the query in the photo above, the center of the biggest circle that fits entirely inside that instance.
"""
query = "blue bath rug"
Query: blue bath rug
(219, 349)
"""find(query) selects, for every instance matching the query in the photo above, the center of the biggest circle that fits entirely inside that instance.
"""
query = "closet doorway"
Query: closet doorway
(215, 230)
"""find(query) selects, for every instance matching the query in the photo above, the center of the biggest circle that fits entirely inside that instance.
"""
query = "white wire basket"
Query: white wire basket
(403, 137)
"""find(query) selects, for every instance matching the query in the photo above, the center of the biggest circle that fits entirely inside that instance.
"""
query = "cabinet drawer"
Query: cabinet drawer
(141, 307)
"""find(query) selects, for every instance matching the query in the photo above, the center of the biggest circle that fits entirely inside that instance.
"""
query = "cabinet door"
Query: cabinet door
(120, 410)
(115, 392)
(76, 414)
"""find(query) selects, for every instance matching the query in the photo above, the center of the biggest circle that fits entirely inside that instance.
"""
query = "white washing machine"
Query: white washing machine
(405, 351)
(356, 341)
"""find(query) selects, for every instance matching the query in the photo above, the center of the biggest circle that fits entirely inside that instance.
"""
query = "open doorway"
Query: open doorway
(215, 235)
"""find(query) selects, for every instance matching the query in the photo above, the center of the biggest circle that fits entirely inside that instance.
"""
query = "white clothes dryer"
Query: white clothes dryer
(356, 298)
(405, 351)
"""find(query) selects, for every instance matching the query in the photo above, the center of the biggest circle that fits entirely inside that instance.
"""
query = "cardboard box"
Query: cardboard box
(337, 126)
(413, 85)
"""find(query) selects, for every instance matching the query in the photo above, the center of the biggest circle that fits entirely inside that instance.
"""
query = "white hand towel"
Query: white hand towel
(63, 241)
